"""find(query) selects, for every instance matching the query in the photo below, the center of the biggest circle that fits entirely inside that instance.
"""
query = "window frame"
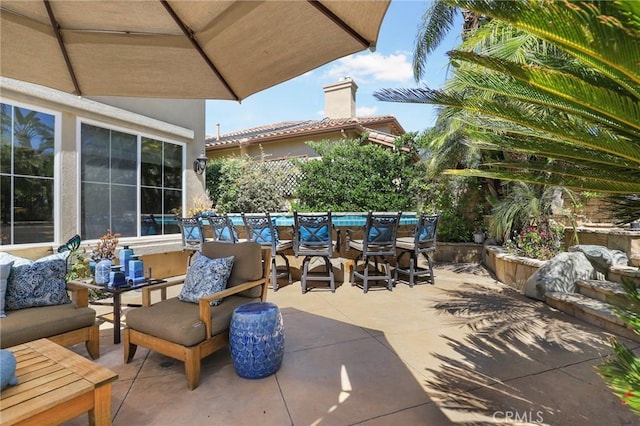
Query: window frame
(57, 187)
(80, 120)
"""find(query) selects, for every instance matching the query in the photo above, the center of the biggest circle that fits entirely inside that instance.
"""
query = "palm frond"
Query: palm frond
(550, 147)
(626, 208)
(573, 170)
(582, 134)
(588, 184)
(551, 88)
(436, 23)
(578, 29)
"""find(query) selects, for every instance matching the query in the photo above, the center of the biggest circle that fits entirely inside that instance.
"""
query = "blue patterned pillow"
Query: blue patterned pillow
(5, 270)
(39, 283)
(206, 276)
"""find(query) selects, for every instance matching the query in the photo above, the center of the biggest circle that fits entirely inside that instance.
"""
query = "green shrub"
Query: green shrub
(241, 185)
(351, 177)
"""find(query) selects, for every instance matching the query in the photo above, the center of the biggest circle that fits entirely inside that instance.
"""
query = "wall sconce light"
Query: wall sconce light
(200, 163)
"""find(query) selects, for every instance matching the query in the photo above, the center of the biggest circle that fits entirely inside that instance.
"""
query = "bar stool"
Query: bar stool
(380, 232)
(422, 243)
(312, 239)
(192, 235)
(261, 229)
(221, 227)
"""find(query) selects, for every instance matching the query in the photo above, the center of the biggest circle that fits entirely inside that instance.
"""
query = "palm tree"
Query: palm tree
(436, 23)
(572, 110)
(574, 106)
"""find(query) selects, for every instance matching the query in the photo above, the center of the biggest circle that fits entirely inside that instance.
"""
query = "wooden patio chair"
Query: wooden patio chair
(189, 331)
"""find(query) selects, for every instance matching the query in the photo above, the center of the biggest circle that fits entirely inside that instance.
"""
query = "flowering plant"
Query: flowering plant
(105, 247)
(537, 243)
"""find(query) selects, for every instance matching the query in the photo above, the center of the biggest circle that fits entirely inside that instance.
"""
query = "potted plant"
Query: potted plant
(479, 229)
(103, 254)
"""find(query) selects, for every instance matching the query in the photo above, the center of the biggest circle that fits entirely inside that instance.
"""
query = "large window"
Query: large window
(109, 179)
(26, 175)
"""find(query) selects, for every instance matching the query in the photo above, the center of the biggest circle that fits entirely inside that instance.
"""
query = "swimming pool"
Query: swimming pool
(338, 219)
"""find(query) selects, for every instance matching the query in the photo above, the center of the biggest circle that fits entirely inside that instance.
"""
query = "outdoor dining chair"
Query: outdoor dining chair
(221, 227)
(378, 243)
(192, 235)
(261, 229)
(422, 243)
(312, 238)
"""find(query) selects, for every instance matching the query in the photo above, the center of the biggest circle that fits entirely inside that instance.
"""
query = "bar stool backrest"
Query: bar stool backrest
(261, 229)
(192, 233)
(381, 230)
(221, 226)
(425, 233)
(312, 234)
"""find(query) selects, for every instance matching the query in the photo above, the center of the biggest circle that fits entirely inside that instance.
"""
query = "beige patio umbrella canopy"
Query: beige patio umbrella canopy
(178, 49)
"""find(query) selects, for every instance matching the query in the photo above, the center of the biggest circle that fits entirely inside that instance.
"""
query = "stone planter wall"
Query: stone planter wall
(509, 269)
(613, 238)
(458, 253)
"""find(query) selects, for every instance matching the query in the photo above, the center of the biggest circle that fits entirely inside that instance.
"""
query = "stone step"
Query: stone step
(605, 291)
(593, 311)
(619, 272)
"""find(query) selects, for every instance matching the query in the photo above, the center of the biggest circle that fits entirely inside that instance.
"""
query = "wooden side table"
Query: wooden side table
(56, 385)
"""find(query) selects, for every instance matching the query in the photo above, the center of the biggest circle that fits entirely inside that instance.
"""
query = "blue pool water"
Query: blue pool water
(338, 219)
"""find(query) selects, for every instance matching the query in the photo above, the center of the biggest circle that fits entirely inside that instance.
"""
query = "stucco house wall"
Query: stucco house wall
(181, 121)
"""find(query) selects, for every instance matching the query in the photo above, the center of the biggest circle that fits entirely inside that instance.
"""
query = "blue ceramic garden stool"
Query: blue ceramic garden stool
(256, 337)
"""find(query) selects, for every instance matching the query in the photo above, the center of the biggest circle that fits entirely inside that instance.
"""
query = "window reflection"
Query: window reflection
(26, 175)
(109, 189)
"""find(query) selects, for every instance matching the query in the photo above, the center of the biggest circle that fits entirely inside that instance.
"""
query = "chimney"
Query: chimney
(340, 99)
(217, 131)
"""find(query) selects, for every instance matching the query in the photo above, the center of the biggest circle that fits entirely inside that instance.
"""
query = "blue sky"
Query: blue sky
(389, 66)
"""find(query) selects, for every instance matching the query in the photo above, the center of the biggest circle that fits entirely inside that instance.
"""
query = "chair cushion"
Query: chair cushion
(223, 234)
(206, 276)
(284, 245)
(357, 245)
(37, 283)
(406, 243)
(264, 235)
(5, 270)
(246, 267)
(427, 232)
(380, 233)
(179, 322)
(314, 234)
(25, 325)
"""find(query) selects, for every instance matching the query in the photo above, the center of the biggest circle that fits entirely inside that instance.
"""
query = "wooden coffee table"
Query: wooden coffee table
(55, 385)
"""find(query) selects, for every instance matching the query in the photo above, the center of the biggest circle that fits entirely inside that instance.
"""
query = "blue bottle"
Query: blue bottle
(116, 277)
(125, 255)
(136, 270)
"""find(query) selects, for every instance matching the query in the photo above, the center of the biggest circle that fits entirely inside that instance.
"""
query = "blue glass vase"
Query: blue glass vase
(103, 268)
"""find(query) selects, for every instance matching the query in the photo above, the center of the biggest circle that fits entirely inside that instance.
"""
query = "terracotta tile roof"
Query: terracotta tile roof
(288, 129)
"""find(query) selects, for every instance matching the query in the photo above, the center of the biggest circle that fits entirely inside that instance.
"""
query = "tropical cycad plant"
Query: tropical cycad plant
(569, 101)
(573, 100)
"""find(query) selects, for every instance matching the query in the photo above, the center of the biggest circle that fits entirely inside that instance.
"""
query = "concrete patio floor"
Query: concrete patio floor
(468, 350)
